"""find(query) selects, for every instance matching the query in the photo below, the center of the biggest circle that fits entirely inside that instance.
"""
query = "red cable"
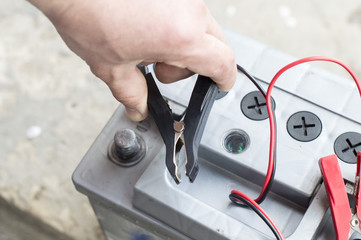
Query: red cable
(270, 112)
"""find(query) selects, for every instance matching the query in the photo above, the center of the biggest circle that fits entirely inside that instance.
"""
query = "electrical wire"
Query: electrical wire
(253, 80)
(241, 198)
(271, 171)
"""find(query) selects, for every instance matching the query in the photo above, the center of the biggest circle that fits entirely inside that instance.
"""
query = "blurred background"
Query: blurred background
(52, 107)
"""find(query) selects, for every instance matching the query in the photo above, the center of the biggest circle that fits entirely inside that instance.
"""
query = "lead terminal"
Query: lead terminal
(127, 148)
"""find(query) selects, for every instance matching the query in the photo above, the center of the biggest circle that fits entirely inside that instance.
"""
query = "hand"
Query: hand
(113, 36)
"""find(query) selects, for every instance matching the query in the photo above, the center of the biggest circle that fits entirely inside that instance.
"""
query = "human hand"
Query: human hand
(113, 36)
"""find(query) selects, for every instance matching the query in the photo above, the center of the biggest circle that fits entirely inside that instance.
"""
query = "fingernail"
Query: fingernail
(134, 114)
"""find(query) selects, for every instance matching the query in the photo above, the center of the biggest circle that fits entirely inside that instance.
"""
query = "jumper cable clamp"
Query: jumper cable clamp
(185, 129)
(346, 220)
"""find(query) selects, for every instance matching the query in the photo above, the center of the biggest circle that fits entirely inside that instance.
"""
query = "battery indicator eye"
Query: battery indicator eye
(236, 141)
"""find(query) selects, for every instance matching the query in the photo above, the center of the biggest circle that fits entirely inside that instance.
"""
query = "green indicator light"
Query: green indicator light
(236, 141)
(234, 148)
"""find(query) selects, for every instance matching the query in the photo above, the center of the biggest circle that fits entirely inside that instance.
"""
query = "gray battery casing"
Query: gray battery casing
(143, 202)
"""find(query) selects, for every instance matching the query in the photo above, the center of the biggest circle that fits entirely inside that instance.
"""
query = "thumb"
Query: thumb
(130, 88)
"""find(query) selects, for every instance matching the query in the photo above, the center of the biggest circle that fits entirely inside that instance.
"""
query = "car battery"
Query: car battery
(317, 116)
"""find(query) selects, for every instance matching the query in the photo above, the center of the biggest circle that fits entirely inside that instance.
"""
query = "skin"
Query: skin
(113, 36)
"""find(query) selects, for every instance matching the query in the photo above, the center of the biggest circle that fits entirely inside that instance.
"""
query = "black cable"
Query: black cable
(263, 92)
(250, 77)
(242, 201)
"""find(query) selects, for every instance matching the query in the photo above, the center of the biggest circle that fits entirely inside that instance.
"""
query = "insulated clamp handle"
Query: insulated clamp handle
(337, 196)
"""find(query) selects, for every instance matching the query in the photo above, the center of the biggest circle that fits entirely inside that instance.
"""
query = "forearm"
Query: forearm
(52, 8)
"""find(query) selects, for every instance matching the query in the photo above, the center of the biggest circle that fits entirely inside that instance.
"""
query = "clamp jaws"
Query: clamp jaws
(184, 130)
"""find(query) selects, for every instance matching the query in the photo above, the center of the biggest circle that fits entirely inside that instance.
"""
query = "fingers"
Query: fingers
(209, 56)
(128, 86)
(167, 73)
(213, 58)
(131, 90)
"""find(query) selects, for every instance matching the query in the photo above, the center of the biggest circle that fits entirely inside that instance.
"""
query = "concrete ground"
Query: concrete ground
(52, 107)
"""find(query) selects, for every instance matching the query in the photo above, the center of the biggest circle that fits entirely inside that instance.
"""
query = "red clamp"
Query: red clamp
(345, 221)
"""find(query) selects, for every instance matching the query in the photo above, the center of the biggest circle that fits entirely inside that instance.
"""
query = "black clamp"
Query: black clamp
(186, 129)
